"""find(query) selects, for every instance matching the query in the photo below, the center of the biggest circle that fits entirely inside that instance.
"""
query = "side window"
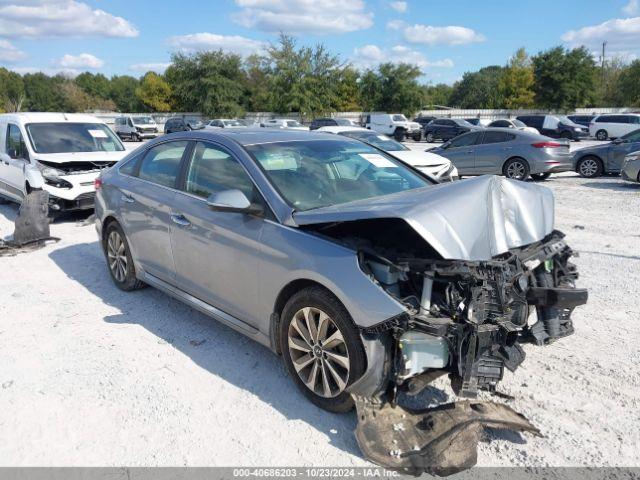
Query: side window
(15, 145)
(497, 137)
(130, 122)
(464, 140)
(212, 170)
(635, 120)
(161, 164)
(129, 167)
(501, 123)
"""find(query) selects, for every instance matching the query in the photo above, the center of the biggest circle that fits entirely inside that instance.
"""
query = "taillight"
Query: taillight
(547, 145)
(97, 183)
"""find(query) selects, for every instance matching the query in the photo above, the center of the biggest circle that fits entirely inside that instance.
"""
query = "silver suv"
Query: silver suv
(367, 277)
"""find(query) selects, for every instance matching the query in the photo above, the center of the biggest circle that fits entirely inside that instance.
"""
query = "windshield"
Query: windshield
(343, 122)
(293, 123)
(567, 121)
(399, 118)
(632, 136)
(73, 137)
(143, 120)
(319, 173)
(518, 123)
(462, 123)
(380, 141)
(233, 123)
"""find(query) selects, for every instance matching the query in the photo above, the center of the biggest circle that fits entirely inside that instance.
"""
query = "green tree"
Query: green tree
(629, 84)
(479, 89)
(122, 91)
(347, 97)
(12, 94)
(154, 92)
(257, 96)
(208, 82)
(517, 81)
(44, 93)
(437, 95)
(564, 79)
(96, 85)
(400, 90)
(370, 90)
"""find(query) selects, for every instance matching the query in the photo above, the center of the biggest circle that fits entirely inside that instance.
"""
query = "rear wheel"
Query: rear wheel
(539, 177)
(429, 137)
(516, 169)
(417, 137)
(321, 348)
(119, 259)
(589, 167)
(566, 135)
(602, 135)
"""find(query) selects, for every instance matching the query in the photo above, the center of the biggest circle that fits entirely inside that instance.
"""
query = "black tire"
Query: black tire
(516, 169)
(429, 137)
(399, 135)
(566, 135)
(540, 177)
(318, 298)
(602, 135)
(129, 282)
(417, 137)
(590, 167)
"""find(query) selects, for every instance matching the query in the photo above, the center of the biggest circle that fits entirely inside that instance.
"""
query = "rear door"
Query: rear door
(13, 162)
(145, 199)
(217, 253)
(461, 152)
(494, 148)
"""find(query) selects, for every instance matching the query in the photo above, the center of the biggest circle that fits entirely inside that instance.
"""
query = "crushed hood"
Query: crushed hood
(473, 219)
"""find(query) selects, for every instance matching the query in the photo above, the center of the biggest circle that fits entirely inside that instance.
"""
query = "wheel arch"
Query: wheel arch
(514, 157)
(590, 155)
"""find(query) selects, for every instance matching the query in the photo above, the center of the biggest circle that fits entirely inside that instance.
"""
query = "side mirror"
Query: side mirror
(12, 152)
(233, 201)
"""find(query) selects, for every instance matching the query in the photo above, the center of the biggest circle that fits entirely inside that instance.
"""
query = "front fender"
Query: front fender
(33, 176)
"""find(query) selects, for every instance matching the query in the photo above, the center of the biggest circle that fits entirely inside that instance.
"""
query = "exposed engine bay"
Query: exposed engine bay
(467, 319)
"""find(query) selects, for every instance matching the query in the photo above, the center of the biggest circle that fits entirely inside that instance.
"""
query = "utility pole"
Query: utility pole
(604, 44)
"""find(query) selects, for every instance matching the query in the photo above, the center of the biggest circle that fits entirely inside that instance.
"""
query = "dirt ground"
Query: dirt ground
(90, 375)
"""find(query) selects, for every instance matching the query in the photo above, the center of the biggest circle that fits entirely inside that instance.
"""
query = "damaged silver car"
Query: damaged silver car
(369, 278)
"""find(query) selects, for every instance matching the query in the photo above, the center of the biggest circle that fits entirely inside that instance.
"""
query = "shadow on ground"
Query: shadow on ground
(213, 346)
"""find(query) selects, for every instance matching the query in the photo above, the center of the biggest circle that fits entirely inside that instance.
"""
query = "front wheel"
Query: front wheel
(602, 135)
(589, 167)
(430, 138)
(398, 135)
(540, 177)
(417, 137)
(321, 348)
(516, 169)
(566, 135)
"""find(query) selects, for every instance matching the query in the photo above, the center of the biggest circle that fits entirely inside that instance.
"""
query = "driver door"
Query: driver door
(461, 152)
(13, 162)
(618, 151)
(217, 253)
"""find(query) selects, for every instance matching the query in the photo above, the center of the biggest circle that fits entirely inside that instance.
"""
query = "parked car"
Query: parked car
(446, 128)
(182, 124)
(604, 127)
(395, 125)
(424, 120)
(346, 262)
(225, 123)
(478, 122)
(631, 167)
(583, 120)
(555, 126)
(331, 122)
(61, 153)
(434, 165)
(512, 123)
(513, 153)
(136, 128)
(594, 161)
(284, 123)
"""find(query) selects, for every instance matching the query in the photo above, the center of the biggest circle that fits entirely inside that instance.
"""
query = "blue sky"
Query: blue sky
(444, 38)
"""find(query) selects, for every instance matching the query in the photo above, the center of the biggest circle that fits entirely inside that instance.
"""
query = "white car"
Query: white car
(604, 127)
(284, 123)
(512, 123)
(225, 123)
(434, 165)
(57, 152)
(395, 125)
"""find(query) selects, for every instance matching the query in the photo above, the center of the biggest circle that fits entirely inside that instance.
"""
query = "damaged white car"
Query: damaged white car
(368, 277)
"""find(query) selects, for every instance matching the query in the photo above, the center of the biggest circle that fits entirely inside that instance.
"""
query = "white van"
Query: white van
(604, 127)
(395, 124)
(58, 152)
(136, 128)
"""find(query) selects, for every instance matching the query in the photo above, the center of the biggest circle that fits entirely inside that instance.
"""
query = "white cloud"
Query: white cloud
(149, 67)
(304, 16)
(621, 34)
(9, 53)
(450, 35)
(632, 7)
(59, 18)
(396, 24)
(369, 56)
(84, 60)
(399, 6)
(211, 41)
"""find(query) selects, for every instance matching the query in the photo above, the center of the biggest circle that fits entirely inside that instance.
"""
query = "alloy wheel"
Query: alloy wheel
(588, 167)
(117, 256)
(318, 352)
(516, 170)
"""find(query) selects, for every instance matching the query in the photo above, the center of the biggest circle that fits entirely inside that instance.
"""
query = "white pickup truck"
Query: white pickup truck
(394, 124)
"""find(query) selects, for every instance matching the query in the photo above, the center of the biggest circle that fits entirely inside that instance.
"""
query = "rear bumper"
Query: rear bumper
(555, 165)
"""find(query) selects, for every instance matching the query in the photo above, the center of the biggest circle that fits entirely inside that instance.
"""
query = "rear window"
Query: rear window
(72, 138)
(161, 164)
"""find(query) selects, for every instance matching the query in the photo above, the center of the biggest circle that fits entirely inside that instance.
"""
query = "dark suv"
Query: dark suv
(180, 124)
(555, 126)
(446, 128)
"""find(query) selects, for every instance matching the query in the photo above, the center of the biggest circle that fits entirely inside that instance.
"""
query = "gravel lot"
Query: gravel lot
(92, 376)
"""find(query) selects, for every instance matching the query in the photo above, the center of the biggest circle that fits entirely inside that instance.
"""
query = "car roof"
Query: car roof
(517, 133)
(50, 117)
(253, 136)
(344, 128)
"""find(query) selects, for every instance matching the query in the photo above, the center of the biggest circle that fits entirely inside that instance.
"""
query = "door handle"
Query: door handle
(127, 199)
(180, 219)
